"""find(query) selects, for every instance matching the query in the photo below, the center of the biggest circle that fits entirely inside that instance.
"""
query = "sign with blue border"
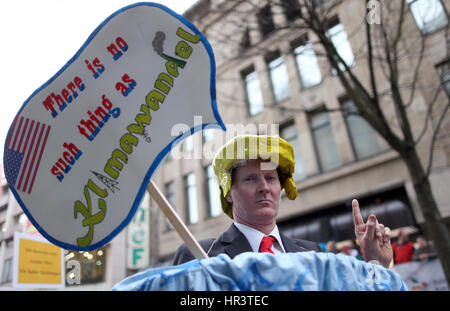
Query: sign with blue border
(83, 147)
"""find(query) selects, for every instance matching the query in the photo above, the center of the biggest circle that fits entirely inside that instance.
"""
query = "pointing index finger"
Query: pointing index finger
(357, 217)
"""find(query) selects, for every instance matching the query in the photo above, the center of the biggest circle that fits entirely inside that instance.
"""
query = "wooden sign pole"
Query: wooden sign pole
(176, 222)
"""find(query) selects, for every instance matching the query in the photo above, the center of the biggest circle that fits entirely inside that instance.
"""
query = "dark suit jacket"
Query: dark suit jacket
(232, 242)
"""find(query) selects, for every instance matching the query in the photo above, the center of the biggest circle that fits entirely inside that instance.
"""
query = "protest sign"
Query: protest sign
(83, 147)
(37, 263)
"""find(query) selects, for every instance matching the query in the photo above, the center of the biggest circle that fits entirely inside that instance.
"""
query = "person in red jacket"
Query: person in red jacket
(403, 248)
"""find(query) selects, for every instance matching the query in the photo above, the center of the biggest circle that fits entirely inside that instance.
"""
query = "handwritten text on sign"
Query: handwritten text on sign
(37, 263)
(82, 148)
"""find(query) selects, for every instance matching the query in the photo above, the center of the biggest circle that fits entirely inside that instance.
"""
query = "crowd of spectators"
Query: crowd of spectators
(403, 248)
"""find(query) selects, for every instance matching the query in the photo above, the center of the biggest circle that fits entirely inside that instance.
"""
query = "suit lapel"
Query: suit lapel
(290, 246)
(234, 242)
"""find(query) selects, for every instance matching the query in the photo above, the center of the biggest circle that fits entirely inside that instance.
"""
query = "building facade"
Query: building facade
(273, 79)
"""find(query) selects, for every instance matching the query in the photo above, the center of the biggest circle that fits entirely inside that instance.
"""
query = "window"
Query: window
(208, 134)
(324, 142)
(213, 190)
(245, 40)
(188, 143)
(169, 190)
(169, 156)
(265, 21)
(4, 195)
(191, 199)
(428, 14)
(7, 271)
(362, 135)
(279, 78)
(338, 37)
(92, 266)
(291, 9)
(254, 95)
(444, 74)
(307, 65)
(289, 133)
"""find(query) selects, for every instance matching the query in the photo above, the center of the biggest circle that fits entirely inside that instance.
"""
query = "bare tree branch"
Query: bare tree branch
(428, 115)
(370, 61)
(416, 72)
(433, 139)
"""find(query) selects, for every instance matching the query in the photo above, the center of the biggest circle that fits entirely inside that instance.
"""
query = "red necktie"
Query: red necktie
(266, 244)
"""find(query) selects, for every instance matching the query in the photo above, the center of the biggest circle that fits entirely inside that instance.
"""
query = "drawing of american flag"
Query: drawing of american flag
(24, 148)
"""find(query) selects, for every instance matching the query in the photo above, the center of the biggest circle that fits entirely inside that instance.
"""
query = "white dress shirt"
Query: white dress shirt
(254, 238)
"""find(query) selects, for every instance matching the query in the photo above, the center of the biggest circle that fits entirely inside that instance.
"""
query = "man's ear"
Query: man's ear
(228, 198)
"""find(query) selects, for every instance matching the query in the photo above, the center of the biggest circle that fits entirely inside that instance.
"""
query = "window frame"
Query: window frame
(208, 192)
(311, 114)
(422, 28)
(343, 101)
(253, 74)
(283, 127)
(335, 22)
(304, 44)
(271, 67)
(443, 69)
(266, 26)
(191, 188)
(170, 194)
(7, 274)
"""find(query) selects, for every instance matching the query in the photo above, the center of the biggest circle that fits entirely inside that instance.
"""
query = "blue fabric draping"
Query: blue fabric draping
(303, 271)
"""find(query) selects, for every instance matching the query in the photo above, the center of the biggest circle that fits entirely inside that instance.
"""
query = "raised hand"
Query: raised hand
(373, 238)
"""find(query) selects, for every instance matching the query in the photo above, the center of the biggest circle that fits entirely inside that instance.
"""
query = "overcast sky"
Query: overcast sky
(38, 37)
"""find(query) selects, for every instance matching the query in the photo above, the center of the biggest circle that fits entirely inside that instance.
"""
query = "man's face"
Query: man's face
(255, 194)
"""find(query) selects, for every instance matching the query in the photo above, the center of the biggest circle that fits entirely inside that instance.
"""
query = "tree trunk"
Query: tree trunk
(434, 223)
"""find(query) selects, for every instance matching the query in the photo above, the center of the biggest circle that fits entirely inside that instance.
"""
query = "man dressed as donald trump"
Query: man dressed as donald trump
(252, 171)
